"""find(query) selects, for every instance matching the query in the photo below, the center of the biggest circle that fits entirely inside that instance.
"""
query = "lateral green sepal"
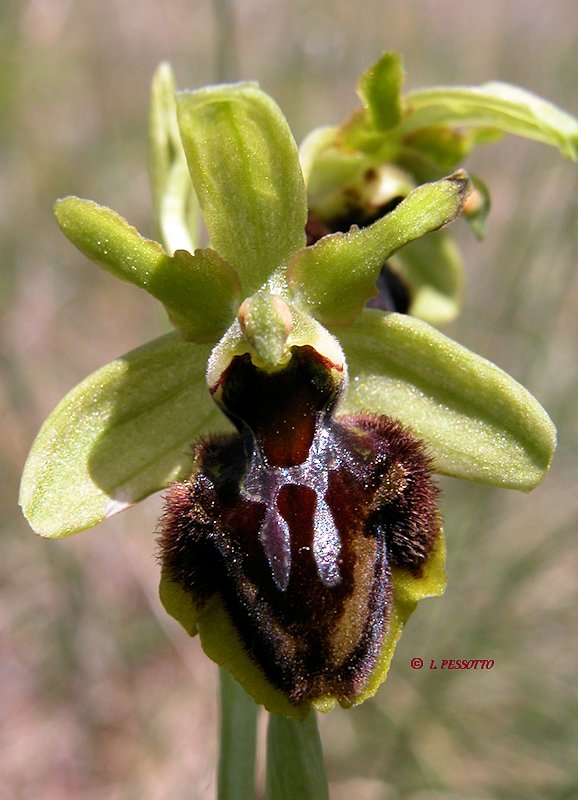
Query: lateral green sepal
(478, 422)
(120, 435)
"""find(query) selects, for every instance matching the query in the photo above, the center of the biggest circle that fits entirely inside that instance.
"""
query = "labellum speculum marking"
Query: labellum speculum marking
(296, 523)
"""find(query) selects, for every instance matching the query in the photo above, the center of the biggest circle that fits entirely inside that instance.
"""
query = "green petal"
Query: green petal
(176, 207)
(507, 108)
(478, 422)
(245, 168)
(200, 292)
(204, 293)
(379, 89)
(120, 435)
(335, 277)
(432, 268)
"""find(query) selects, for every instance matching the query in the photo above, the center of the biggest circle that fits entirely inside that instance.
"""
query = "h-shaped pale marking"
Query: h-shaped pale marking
(263, 483)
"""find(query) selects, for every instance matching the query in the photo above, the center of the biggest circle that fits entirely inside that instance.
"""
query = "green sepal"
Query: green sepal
(200, 291)
(502, 106)
(331, 173)
(432, 269)
(335, 277)
(120, 435)
(164, 138)
(478, 423)
(245, 168)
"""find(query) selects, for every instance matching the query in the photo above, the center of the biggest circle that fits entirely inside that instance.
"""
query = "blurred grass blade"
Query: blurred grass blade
(200, 291)
(176, 207)
(507, 108)
(336, 277)
(295, 768)
(245, 168)
(478, 422)
(238, 741)
(121, 434)
(432, 267)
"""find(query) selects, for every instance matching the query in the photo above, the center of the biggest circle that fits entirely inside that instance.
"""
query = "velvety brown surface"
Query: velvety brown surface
(301, 555)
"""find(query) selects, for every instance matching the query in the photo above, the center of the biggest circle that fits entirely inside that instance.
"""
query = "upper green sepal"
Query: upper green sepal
(120, 435)
(200, 291)
(336, 276)
(477, 421)
(245, 168)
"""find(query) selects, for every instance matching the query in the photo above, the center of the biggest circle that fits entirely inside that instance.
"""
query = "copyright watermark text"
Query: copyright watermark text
(451, 663)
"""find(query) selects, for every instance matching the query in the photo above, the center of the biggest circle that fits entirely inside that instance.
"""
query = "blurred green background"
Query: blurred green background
(102, 695)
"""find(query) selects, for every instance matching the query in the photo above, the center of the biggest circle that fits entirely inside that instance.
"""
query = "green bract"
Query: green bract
(124, 432)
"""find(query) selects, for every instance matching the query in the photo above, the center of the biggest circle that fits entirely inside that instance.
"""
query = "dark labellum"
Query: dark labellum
(297, 521)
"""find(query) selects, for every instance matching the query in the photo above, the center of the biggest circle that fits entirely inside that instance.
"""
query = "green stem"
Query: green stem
(238, 745)
(295, 769)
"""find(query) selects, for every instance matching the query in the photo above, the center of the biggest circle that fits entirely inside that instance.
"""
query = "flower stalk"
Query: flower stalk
(237, 741)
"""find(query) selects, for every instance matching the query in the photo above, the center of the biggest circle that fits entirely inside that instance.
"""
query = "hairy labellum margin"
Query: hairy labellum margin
(296, 523)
